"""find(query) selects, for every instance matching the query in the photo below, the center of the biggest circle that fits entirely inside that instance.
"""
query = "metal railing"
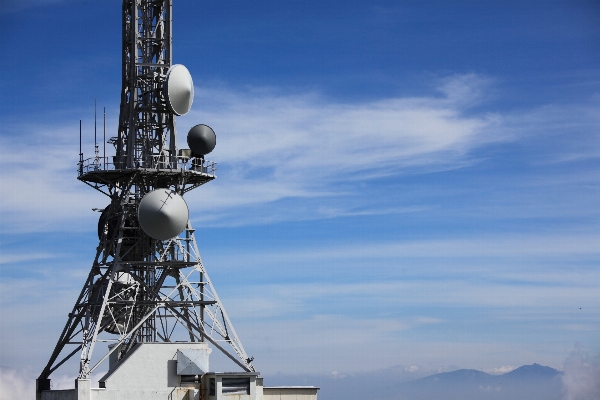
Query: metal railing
(153, 162)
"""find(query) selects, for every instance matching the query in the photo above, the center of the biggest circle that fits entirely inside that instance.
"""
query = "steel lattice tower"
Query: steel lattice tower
(142, 289)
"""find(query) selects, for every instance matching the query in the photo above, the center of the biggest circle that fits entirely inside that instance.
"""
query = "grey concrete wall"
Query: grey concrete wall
(70, 394)
(151, 366)
(149, 373)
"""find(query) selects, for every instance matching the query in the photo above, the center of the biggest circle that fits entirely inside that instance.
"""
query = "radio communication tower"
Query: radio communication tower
(147, 283)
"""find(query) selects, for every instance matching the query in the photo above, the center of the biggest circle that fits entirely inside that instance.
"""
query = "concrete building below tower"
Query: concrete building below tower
(175, 371)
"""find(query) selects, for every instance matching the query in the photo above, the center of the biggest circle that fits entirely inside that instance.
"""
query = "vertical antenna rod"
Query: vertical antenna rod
(80, 152)
(95, 135)
(104, 140)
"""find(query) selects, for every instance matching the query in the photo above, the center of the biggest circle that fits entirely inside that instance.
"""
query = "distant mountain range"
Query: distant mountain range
(529, 382)
(526, 372)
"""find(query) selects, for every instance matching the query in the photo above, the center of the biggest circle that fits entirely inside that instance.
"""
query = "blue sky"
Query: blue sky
(400, 183)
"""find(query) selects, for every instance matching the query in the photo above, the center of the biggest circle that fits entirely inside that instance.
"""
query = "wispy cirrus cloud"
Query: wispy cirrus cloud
(272, 146)
(8, 258)
(305, 136)
(490, 246)
(38, 181)
(276, 147)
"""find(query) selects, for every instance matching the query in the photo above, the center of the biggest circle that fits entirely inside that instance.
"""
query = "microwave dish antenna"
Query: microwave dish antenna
(163, 214)
(179, 89)
(202, 139)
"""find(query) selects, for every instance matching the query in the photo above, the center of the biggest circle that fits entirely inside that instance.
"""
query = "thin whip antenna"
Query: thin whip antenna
(104, 138)
(95, 132)
(80, 152)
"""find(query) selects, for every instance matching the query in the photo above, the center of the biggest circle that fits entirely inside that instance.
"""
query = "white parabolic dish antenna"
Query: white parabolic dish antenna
(163, 214)
(179, 89)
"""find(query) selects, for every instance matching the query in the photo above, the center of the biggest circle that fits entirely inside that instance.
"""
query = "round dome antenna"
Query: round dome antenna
(163, 214)
(201, 139)
(179, 89)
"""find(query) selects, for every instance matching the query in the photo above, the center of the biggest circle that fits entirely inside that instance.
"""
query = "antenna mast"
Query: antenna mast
(147, 282)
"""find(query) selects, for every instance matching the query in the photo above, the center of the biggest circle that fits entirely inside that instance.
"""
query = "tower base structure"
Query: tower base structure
(175, 371)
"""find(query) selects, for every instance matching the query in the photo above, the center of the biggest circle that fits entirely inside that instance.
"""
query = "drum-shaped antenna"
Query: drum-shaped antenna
(202, 139)
(163, 214)
(179, 89)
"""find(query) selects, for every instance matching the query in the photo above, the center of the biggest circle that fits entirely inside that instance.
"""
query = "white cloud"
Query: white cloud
(15, 384)
(500, 370)
(581, 379)
(507, 301)
(34, 310)
(305, 139)
(466, 89)
(40, 191)
(497, 246)
(6, 258)
(20, 383)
